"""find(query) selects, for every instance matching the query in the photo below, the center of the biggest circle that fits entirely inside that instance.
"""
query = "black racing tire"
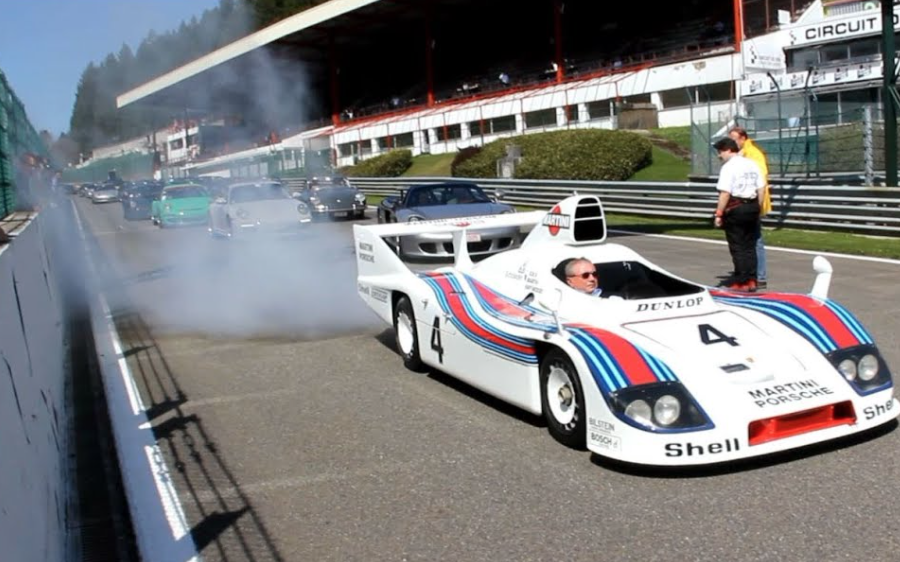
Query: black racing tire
(562, 400)
(406, 335)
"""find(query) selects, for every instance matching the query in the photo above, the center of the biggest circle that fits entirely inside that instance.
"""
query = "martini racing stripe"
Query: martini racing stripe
(824, 323)
(614, 362)
(454, 302)
(508, 310)
(852, 323)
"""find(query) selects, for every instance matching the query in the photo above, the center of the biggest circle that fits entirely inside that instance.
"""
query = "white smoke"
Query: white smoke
(183, 280)
(295, 288)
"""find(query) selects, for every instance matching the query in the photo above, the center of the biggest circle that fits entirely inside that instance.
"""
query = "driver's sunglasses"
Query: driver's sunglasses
(585, 275)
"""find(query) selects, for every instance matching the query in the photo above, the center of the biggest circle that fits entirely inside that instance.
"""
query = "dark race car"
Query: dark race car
(332, 196)
(137, 199)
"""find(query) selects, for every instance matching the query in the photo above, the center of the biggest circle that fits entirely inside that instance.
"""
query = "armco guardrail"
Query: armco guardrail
(858, 209)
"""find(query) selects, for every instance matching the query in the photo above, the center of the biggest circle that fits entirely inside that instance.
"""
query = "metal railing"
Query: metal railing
(855, 209)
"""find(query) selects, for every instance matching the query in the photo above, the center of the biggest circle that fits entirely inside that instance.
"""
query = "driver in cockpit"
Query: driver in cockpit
(582, 276)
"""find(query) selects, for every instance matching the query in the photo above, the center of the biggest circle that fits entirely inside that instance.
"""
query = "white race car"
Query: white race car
(661, 371)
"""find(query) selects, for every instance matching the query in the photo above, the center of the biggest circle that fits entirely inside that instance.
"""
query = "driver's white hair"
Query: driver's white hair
(570, 267)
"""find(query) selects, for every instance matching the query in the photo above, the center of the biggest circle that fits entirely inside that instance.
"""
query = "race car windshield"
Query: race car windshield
(330, 184)
(258, 192)
(185, 192)
(447, 195)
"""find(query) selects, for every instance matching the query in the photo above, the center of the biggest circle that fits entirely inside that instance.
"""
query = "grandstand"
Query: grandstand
(375, 75)
(366, 76)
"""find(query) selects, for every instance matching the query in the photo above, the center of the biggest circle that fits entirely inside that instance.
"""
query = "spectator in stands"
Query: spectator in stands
(741, 187)
(750, 150)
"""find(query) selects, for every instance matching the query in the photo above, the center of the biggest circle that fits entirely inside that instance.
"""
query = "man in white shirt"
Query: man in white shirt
(741, 187)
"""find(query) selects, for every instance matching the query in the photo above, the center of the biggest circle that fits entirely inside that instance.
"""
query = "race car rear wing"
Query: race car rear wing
(374, 256)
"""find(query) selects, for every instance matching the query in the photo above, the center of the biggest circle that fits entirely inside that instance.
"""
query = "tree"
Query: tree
(65, 150)
(82, 125)
(46, 137)
(95, 118)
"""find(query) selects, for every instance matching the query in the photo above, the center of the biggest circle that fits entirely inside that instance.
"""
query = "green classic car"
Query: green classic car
(183, 203)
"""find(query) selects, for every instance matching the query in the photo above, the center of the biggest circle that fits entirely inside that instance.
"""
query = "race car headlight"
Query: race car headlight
(867, 367)
(313, 199)
(667, 410)
(662, 406)
(862, 367)
(639, 410)
(360, 198)
(847, 367)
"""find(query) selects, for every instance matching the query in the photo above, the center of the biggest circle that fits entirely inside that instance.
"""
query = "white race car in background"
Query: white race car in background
(663, 371)
(261, 207)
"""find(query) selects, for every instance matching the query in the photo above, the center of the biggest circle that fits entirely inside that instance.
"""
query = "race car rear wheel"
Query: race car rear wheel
(406, 335)
(563, 400)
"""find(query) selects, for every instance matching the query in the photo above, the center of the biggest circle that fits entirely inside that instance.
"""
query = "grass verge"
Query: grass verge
(437, 165)
(679, 135)
(817, 241)
(665, 167)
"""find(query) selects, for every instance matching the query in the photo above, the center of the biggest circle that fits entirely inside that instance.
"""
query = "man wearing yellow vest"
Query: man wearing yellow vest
(754, 153)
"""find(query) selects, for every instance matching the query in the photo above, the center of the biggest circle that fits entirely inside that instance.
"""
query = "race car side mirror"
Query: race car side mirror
(551, 301)
(823, 270)
(529, 298)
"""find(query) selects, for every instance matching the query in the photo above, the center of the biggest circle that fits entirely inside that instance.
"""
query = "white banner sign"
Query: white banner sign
(762, 56)
(761, 84)
(840, 28)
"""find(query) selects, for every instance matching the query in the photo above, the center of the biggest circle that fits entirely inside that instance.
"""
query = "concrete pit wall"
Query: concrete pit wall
(34, 421)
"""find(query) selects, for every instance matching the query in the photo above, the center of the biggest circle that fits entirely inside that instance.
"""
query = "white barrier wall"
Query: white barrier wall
(33, 414)
(709, 70)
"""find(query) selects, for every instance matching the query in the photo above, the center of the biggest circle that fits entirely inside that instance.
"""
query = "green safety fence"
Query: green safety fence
(17, 138)
(818, 139)
(133, 166)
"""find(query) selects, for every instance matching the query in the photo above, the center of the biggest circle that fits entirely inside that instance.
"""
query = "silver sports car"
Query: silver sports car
(445, 201)
(106, 193)
(262, 207)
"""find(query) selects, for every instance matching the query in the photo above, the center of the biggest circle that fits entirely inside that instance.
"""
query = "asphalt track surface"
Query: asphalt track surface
(294, 432)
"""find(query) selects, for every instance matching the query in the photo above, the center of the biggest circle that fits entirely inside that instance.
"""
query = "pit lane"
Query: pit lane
(292, 436)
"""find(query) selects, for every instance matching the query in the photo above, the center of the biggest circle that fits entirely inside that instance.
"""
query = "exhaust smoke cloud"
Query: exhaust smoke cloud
(184, 280)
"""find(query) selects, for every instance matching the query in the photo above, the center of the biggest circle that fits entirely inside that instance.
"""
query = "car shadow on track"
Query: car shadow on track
(226, 525)
(756, 463)
(386, 338)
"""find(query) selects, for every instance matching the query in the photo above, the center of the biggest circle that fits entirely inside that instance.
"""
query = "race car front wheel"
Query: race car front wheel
(563, 400)
(406, 335)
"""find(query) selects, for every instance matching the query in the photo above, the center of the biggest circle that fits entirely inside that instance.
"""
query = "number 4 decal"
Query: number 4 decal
(436, 339)
(706, 331)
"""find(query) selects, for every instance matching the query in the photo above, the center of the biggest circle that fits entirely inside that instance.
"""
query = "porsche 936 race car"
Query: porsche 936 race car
(658, 370)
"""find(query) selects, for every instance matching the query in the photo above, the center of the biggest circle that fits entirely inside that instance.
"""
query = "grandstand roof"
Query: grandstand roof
(319, 24)
(379, 49)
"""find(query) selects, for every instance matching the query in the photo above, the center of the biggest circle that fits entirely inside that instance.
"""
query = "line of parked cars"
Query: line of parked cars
(231, 207)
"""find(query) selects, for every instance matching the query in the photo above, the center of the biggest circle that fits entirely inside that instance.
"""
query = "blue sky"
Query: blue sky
(45, 45)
